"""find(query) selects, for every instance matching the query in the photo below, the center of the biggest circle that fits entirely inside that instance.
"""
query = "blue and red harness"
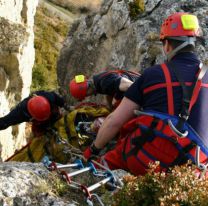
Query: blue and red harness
(151, 129)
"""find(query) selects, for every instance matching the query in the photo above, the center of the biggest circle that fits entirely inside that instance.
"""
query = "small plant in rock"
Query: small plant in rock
(136, 7)
(59, 186)
(179, 187)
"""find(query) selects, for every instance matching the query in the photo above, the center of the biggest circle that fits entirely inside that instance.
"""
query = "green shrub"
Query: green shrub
(50, 32)
(180, 187)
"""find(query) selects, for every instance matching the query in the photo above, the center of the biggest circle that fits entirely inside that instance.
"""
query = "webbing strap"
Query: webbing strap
(46, 148)
(30, 154)
(202, 72)
(177, 145)
(147, 135)
(16, 153)
(163, 85)
(190, 94)
(182, 156)
(169, 89)
(187, 90)
(67, 130)
(120, 72)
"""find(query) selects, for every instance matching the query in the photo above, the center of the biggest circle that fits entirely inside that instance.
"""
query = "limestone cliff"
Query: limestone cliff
(16, 61)
(122, 35)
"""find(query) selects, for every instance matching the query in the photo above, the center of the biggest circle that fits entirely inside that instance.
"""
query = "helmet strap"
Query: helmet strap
(187, 41)
(91, 88)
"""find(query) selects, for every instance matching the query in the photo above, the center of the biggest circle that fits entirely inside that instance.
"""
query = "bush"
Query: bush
(180, 187)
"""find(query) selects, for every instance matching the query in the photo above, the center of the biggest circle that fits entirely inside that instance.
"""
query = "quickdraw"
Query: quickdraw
(87, 190)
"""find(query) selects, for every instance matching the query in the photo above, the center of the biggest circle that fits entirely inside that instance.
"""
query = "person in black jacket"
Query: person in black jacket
(113, 83)
(42, 108)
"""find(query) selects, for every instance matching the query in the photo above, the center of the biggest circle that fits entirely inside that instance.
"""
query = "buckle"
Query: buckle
(183, 116)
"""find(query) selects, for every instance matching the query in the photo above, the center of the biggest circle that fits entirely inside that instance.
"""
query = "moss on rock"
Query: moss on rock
(50, 31)
(136, 7)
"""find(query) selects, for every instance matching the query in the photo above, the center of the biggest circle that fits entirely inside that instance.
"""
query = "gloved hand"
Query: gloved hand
(91, 152)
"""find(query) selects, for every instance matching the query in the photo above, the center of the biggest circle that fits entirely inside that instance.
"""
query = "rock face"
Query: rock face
(112, 37)
(16, 61)
(81, 5)
(31, 184)
(27, 184)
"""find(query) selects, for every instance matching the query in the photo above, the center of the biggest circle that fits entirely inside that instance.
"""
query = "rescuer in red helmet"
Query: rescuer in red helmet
(42, 108)
(172, 97)
(112, 83)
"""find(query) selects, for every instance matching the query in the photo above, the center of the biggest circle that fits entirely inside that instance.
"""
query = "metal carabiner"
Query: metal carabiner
(180, 134)
(202, 167)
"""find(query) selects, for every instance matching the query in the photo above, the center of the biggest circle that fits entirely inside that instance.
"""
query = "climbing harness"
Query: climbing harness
(107, 175)
(150, 127)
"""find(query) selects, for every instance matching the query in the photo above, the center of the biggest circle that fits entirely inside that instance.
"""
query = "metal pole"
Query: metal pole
(79, 171)
(69, 165)
(96, 185)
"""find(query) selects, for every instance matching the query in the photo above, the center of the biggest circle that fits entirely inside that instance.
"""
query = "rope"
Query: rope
(98, 198)
(73, 151)
(115, 177)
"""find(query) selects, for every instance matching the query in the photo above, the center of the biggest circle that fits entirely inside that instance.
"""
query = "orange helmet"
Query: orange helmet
(78, 87)
(39, 108)
(180, 25)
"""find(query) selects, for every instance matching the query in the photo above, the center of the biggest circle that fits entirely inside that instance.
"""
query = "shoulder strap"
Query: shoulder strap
(186, 91)
(169, 89)
(190, 93)
(202, 71)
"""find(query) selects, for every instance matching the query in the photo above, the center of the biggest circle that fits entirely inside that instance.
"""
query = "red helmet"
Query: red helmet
(39, 108)
(180, 25)
(78, 87)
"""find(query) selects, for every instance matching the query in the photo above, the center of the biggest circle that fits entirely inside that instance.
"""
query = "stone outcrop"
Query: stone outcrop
(16, 61)
(28, 184)
(31, 184)
(113, 37)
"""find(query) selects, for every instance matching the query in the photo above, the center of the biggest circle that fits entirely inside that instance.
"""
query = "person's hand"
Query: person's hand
(97, 124)
(91, 152)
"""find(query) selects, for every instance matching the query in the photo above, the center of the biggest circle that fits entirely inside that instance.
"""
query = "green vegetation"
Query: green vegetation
(136, 7)
(59, 187)
(50, 32)
(180, 187)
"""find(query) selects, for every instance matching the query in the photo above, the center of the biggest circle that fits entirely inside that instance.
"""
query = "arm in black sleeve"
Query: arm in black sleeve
(135, 92)
(107, 83)
(59, 101)
(53, 97)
